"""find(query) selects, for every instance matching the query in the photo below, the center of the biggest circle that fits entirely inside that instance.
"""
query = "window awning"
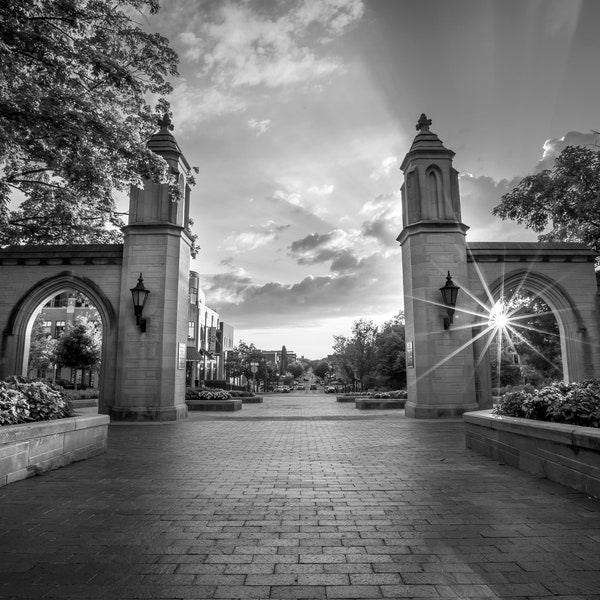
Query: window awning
(193, 354)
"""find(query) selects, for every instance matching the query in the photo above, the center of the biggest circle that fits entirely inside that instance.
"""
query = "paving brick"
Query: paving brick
(295, 498)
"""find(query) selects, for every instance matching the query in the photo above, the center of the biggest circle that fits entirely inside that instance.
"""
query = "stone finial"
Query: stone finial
(165, 122)
(423, 123)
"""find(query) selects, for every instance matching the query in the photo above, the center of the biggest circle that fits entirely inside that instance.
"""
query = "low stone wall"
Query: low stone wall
(32, 448)
(223, 405)
(567, 454)
(348, 398)
(380, 403)
(252, 399)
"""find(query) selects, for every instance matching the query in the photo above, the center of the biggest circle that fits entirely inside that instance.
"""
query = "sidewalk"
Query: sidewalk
(298, 497)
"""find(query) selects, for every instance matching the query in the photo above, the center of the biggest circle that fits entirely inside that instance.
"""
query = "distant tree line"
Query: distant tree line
(370, 357)
(239, 364)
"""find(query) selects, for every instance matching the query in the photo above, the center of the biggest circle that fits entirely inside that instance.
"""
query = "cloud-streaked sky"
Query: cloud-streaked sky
(298, 114)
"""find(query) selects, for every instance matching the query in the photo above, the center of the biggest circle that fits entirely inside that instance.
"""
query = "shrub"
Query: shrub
(25, 400)
(82, 394)
(239, 394)
(212, 395)
(575, 403)
(395, 394)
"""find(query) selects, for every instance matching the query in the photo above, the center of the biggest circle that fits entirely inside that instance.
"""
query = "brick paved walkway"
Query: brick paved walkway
(300, 497)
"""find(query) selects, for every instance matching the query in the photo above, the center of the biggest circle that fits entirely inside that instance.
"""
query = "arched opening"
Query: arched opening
(434, 193)
(66, 341)
(574, 357)
(23, 315)
(526, 345)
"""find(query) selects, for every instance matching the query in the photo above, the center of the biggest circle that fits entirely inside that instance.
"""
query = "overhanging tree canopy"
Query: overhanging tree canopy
(75, 77)
(564, 200)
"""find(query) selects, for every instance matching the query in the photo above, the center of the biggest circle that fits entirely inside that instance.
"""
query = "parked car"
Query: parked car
(301, 387)
(330, 390)
(313, 386)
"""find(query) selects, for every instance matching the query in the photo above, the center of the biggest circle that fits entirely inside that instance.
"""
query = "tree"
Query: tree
(321, 370)
(295, 370)
(42, 349)
(359, 350)
(390, 357)
(283, 362)
(565, 199)
(80, 345)
(529, 351)
(74, 116)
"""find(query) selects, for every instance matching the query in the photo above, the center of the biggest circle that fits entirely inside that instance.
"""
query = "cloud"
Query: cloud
(300, 202)
(385, 168)
(318, 248)
(237, 46)
(260, 126)
(479, 195)
(324, 190)
(194, 105)
(259, 235)
(384, 221)
(554, 146)
(365, 289)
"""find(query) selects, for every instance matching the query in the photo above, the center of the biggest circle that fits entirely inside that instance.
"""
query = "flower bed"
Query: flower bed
(576, 403)
(25, 400)
(566, 454)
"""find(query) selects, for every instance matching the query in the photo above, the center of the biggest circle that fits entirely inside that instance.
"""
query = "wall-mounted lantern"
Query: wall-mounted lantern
(449, 293)
(139, 294)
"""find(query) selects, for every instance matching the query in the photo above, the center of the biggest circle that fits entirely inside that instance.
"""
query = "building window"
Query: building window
(59, 327)
(47, 327)
(191, 330)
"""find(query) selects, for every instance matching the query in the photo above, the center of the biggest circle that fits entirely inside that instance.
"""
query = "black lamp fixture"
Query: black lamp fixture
(449, 294)
(139, 294)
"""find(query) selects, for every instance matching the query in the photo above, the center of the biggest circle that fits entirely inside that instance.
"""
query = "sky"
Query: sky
(298, 114)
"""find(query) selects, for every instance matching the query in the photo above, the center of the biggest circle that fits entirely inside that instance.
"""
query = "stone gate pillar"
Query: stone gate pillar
(150, 378)
(441, 379)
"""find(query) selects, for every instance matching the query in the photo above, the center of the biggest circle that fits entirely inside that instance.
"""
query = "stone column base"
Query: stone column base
(148, 413)
(434, 411)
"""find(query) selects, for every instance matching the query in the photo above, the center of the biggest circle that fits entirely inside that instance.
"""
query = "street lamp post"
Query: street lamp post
(254, 369)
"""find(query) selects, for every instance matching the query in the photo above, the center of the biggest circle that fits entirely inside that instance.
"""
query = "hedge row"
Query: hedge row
(576, 403)
(24, 400)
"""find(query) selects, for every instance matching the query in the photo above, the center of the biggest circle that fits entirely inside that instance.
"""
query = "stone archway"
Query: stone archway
(445, 375)
(576, 353)
(21, 319)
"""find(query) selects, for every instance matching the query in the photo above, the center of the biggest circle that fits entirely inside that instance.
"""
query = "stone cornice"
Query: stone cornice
(529, 252)
(431, 227)
(72, 254)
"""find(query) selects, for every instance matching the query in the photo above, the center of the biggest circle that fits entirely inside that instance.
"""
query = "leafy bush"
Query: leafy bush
(82, 394)
(212, 395)
(239, 394)
(25, 400)
(575, 403)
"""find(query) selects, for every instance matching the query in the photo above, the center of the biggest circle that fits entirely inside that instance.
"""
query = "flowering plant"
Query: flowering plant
(576, 403)
(23, 400)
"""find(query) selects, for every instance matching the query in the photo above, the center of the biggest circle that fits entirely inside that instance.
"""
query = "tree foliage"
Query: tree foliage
(80, 345)
(565, 199)
(390, 354)
(75, 76)
(42, 349)
(373, 356)
(321, 369)
(529, 351)
(295, 369)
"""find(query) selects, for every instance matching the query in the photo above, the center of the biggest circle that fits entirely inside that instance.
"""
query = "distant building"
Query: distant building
(274, 356)
(55, 314)
(209, 339)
